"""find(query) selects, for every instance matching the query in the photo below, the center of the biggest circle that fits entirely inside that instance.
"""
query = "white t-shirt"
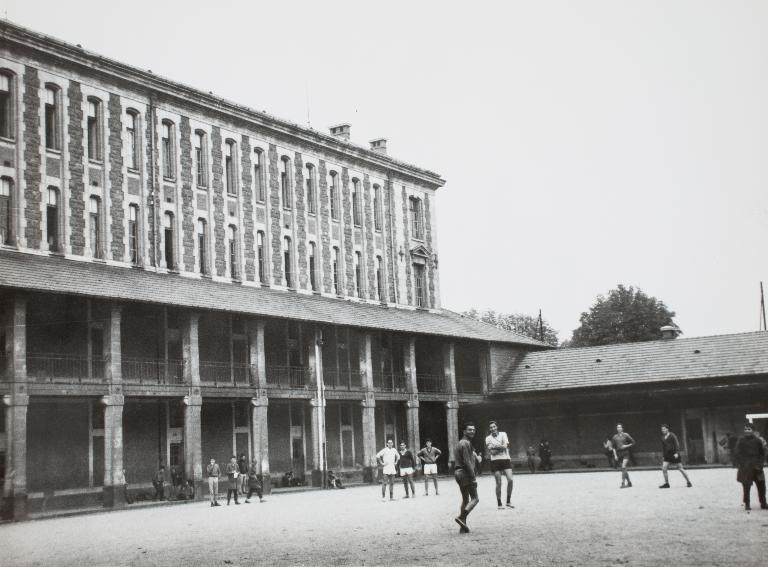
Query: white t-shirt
(389, 456)
(498, 442)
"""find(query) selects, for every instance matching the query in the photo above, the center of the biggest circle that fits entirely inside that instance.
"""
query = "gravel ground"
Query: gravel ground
(559, 519)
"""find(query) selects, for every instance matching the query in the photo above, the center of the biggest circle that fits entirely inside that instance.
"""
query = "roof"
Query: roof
(671, 360)
(74, 54)
(59, 275)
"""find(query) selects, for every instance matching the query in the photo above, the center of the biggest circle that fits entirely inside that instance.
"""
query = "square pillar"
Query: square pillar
(191, 350)
(449, 367)
(452, 420)
(369, 438)
(319, 471)
(114, 478)
(256, 353)
(260, 438)
(366, 362)
(485, 366)
(409, 356)
(193, 446)
(412, 422)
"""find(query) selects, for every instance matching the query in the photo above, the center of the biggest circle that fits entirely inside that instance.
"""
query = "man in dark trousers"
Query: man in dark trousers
(158, 481)
(670, 448)
(545, 456)
(750, 457)
(623, 442)
(465, 474)
(407, 465)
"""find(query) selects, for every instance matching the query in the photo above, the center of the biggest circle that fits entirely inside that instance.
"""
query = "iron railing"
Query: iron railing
(469, 385)
(286, 377)
(224, 374)
(64, 367)
(389, 382)
(342, 379)
(431, 383)
(153, 371)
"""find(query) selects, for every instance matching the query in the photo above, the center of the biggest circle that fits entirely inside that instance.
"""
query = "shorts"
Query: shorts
(406, 470)
(463, 479)
(500, 465)
(670, 458)
(430, 468)
(389, 470)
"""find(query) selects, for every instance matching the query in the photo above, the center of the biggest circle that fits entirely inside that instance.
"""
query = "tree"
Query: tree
(515, 322)
(625, 315)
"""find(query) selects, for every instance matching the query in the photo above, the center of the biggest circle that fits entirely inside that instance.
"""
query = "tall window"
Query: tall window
(7, 94)
(356, 216)
(133, 233)
(420, 285)
(94, 207)
(52, 120)
(336, 270)
(170, 257)
(287, 262)
(52, 219)
(285, 181)
(380, 278)
(377, 220)
(311, 197)
(260, 251)
(233, 263)
(358, 274)
(229, 167)
(202, 246)
(132, 132)
(258, 176)
(334, 196)
(201, 163)
(167, 145)
(417, 223)
(6, 210)
(312, 266)
(94, 122)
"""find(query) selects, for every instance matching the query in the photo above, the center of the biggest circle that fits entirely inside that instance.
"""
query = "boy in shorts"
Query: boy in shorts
(388, 458)
(497, 444)
(407, 468)
(670, 447)
(429, 456)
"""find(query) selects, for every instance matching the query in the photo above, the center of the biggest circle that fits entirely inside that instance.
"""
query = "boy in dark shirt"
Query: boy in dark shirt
(623, 443)
(407, 468)
(670, 448)
(465, 474)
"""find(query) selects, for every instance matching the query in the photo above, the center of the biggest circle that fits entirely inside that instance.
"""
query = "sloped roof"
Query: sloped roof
(59, 275)
(631, 363)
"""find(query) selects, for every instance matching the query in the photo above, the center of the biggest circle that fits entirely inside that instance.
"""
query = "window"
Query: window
(287, 262)
(94, 208)
(170, 257)
(6, 211)
(52, 120)
(229, 167)
(52, 219)
(311, 198)
(380, 278)
(285, 182)
(202, 246)
(7, 104)
(377, 221)
(417, 225)
(358, 274)
(167, 144)
(94, 126)
(356, 202)
(133, 233)
(261, 257)
(201, 163)
(233, 263)
(334, 196)
(312, 266)
(258, 176)
(420, 285)
(132, 130)
(336, 270)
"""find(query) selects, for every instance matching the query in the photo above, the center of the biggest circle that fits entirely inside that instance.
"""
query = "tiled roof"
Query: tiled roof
(672, 360)
(59, 275)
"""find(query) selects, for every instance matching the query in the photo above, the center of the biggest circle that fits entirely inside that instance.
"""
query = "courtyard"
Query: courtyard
(559, 519)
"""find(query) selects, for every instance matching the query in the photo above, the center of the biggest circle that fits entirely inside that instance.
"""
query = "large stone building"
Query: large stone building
(183, 277)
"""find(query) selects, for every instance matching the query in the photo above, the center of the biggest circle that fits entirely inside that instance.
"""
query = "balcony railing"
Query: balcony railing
(431, 383)
(389, 382)
(469, 385)
(341, 379)
(286, 377)
(224, 374)
(152, 371)
(64, 367)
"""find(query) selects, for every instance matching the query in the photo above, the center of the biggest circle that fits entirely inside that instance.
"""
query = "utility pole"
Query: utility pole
(541, 327)
(763, 326)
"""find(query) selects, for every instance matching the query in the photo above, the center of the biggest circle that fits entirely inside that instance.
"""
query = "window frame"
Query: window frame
(230, 168)
(8, 114)
(201, 231)
(169, 244)
(134, 254)
(53, 138)
(168, 149)
(8, 239)
(312, 261)
(53, 216)
(134, 139)
(417, 218)
(357, 218)
(261, 256)
(286, 189)
(233, 251)
(201, 159)
(336, 267)
(377, 209)
(95, 130)
(333, 195)
(95, 236)
(288, 275)
(258, 175)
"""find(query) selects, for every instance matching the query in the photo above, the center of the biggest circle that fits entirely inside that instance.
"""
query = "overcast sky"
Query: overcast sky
(584, 144)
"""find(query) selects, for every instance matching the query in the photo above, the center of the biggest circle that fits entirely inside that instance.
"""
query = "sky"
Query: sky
(584, 144)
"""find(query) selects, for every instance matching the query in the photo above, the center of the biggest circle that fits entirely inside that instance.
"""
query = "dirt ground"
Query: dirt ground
(559, 519)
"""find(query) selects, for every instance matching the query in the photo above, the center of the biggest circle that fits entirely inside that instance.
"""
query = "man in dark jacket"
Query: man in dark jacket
(465, 473)
(750, 457)
(158, 481)
(670, 450)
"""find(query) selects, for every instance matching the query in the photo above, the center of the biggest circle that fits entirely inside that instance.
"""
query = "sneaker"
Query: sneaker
(212, 504)
(747, 507)
(623, 486)
(216, 504)
(407, 496)
(500, 507)
(463, 530)
(764, 506)
(665, 485)
(689, 485)
(509, 505)
(237, 503)
(462, 525)
(247, 501)
(629, 485)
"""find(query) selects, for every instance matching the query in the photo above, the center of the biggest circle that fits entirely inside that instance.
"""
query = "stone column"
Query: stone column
(17, 401)
(452, 420)
(484, 363)
(368, 408)
(260, 437)
(449, 367)
(318, 441)
(114, 479)
(256, 353)
(193, 405)
(412, 387)
(409, 356)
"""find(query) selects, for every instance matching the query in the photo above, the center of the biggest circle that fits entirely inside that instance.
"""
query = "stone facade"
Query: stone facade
(76, 151)
(116, 179)
(32, 147)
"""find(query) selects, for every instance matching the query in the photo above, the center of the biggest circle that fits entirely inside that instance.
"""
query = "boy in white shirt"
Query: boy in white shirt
(497, 444)
(388, 458)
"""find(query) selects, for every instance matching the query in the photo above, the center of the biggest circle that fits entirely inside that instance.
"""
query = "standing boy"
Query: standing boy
(429, 456)
(622, 443)
(465, 474)
(497, 444)
(407, 468)
(232, 471)
(750, 458)
(388, 458)
(214, 472)
(670, 448)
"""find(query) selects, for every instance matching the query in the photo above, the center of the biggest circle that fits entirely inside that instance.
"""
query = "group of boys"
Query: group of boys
(239, 476)
(405, 463)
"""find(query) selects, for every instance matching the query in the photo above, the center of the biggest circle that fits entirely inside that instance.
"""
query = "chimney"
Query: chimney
(669, 332)
(341, 132)
(379, 145)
